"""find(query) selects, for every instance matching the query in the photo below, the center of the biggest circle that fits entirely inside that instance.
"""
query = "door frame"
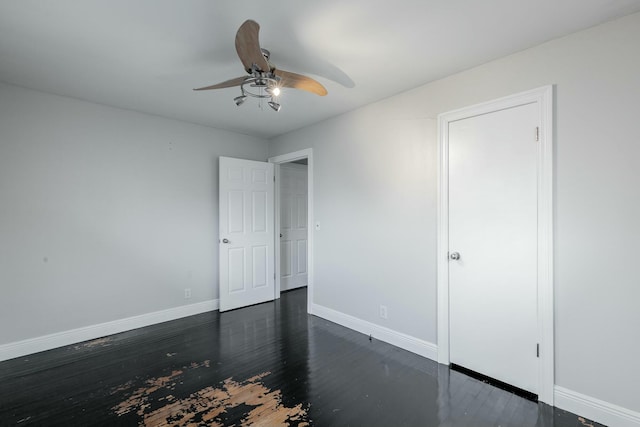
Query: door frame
(307, 153)
(543, 96)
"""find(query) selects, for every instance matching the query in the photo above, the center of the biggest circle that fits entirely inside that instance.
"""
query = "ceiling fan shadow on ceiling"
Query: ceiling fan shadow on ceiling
(264, 80)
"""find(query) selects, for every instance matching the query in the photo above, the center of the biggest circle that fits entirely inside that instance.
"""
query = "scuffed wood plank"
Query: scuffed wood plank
(210, 403)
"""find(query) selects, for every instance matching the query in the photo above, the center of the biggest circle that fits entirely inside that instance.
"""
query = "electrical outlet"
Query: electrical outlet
(187, 293)
(383, 311)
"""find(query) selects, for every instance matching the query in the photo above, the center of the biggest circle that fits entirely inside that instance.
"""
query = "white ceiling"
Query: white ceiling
(147, 55)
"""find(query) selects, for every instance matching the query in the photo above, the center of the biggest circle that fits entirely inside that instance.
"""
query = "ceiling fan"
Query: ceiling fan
(264, 80)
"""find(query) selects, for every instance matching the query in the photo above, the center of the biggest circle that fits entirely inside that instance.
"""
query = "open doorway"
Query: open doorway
(294, 222)
(293, 230)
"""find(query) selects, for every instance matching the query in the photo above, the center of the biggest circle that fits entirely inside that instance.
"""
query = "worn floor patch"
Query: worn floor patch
(585, 422)
(157, 406)
(100, 342)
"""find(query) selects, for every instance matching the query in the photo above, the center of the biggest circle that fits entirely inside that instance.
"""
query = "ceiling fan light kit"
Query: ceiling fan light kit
(264, 80)
(261, 85)
(274, 105)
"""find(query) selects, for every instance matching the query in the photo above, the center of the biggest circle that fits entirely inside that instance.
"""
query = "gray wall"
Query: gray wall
(104, 213)
(375, 196)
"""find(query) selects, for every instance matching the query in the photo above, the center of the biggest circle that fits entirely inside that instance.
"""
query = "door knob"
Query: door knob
(454, 256)
(225, 240)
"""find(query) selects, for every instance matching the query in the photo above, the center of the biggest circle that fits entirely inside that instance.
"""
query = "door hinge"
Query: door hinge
(537, 133)
(274, 178)
(537, 350)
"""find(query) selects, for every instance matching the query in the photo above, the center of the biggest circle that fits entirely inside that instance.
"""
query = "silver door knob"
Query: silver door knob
(225, 240)
(454, 256)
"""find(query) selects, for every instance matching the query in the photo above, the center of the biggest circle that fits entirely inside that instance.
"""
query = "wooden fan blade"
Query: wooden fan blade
(248, 47)
(229, 83)
(298, 81)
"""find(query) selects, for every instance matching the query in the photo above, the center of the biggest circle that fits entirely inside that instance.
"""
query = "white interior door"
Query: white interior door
(493, 228)
(246, 233)
(293, 226)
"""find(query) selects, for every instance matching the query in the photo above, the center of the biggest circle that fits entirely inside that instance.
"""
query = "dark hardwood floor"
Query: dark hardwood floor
(266, 365)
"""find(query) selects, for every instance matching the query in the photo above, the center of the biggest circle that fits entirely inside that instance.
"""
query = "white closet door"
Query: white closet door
(493, 228)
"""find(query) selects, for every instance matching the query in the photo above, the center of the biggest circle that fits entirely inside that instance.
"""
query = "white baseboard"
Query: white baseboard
(60, 339)
(404, 341)
(585, 406)
(595, 409)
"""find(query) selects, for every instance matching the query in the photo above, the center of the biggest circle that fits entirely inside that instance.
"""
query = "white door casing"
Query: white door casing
(293, 226)
(246, 240)
(306, 153)
(496, 257)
